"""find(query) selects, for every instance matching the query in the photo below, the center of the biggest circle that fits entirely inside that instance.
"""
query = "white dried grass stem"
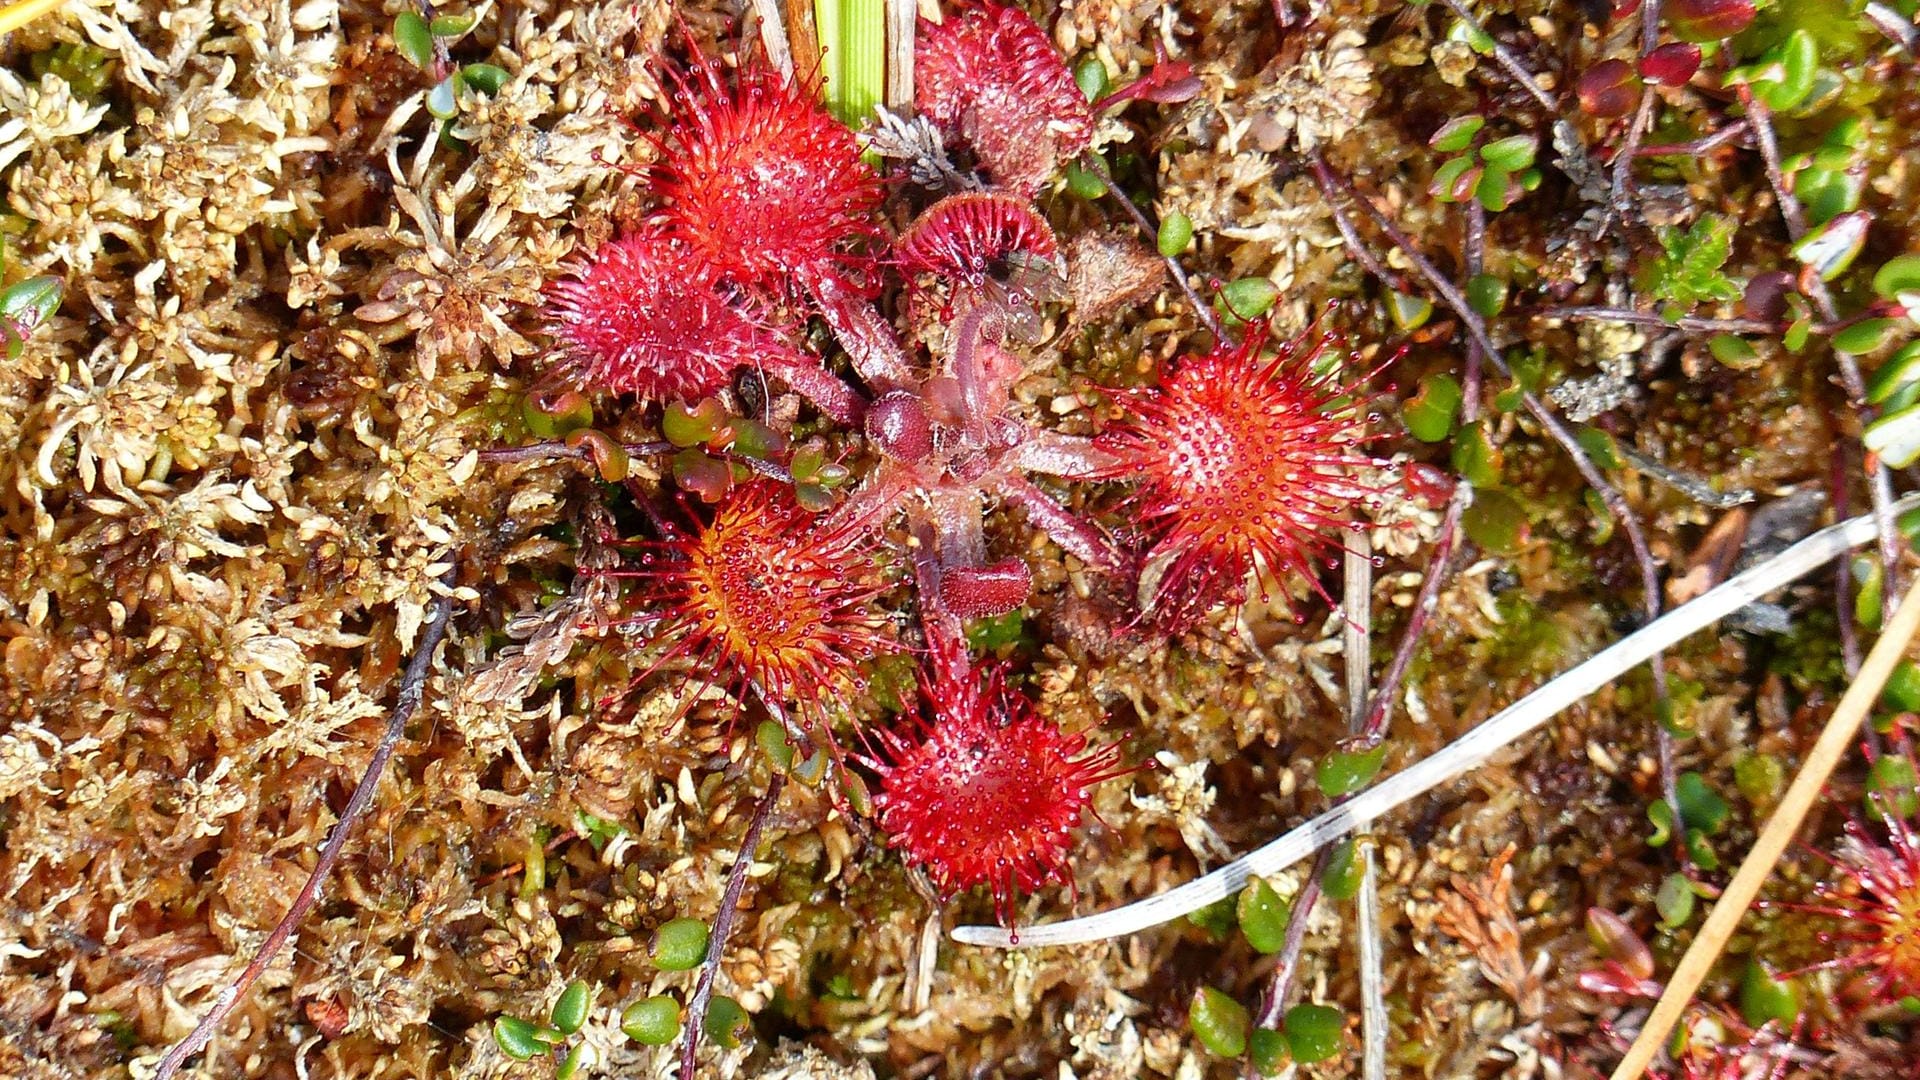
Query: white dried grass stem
(1457, 758)
(773, 37)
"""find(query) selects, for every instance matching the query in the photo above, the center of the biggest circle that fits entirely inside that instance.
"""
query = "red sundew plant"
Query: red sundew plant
(1241, 460)
(760, 181)
(1878, 901)
(767, 189)
(639, 317)
(989, 793)
(764, 596)
(990, 77)
(975, 239)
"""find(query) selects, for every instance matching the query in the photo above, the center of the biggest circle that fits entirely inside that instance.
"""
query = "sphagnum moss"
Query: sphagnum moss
(237, 458)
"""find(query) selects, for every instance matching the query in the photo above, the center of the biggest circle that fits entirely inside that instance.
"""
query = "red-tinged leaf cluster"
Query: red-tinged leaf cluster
(1241, 459)
(639, 317)
(989, 793)
(764, 596)
(990, 77)
(761, 182)
(976, 238)
(1878, 902)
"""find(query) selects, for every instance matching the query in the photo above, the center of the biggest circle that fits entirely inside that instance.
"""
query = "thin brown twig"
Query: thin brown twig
(723, 925)
(1424, 603)
(542, 451)
(412, 687)
(1701, 145)
(1092, 163)
(1642, 118)
(1333, 185)
(1474, 248)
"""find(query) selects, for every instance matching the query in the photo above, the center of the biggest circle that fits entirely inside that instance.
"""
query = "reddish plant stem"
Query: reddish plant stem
(1879, 483)
(1701, 145)
(412, 687)
(1333, 186)
(946, 637)
(547, 450)
(1075, 537)
(1378, 713)
(1507, 60)
(1899, 30)
(1474, 250)
(723, 925)
(1642, 118)
(1201, 310)
(870, 340)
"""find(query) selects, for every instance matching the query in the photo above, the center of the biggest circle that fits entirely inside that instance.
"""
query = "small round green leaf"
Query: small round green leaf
(570, 1009)
(1900, 274)
(29, 303)
(1347, 771)
(1409, 313)
(452, 26)
(1176, 232)
(1267, 1049)
(1345, 871)
(680, 944)
(1248, 298)
(1314, 1032)
(486, 78)
(1090, 74)
(1429, 414)
(1457, 134)
(1219, 1022)
(1513, 153)
(518, 1039)
(653, 1021)
(1865, 336)
(442, 100)
(728, 1024)
(1895, 437)
(1674, 901)
(412, 40)
(1764, 998)
(1487, 293)
(1263, 917)
(1085, 182)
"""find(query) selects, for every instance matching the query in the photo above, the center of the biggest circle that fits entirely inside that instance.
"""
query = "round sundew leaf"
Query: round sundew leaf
(653, 1021)
(1314, 1032)
(1263, 916)
(1219, 1022)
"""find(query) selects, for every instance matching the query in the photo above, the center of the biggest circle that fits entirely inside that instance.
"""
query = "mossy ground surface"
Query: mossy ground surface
(235, 465)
